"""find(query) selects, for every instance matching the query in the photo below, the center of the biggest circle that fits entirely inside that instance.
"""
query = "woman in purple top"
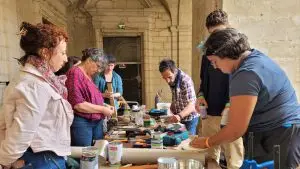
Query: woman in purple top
(86, 99)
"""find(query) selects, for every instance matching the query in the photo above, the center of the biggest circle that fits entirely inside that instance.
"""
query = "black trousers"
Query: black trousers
(287, 137)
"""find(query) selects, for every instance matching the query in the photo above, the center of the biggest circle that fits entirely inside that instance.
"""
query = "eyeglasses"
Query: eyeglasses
(99, 66)
(208, 51)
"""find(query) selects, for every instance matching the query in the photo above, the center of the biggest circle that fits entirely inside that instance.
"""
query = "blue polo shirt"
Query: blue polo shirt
(277, 103)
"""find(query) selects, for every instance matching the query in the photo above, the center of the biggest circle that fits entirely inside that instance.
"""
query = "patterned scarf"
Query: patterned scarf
(57, 82)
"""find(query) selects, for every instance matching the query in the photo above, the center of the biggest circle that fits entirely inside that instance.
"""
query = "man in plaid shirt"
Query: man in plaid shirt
(183, 95)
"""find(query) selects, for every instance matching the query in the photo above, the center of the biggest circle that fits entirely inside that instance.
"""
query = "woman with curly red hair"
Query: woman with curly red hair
(36, 116)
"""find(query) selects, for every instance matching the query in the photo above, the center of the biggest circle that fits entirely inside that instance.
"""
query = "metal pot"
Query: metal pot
(167, 163)
(190, 164)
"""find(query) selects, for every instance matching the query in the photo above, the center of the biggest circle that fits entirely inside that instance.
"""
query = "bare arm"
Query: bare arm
(245, 88)
(185, 112)
(241, 110)
(86, 107)
(188, 110)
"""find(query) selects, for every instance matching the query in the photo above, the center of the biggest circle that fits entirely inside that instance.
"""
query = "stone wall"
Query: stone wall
(8, 41)
(161, 37)
(272, 26)
(80, 30)
(12, 13)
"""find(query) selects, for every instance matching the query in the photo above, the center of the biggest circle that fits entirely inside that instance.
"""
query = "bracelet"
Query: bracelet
(180, 116)
(206, 142)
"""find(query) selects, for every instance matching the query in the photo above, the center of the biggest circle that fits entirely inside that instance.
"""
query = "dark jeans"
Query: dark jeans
(84, 131)
(43, 160)
(191, 125)
(287, 137)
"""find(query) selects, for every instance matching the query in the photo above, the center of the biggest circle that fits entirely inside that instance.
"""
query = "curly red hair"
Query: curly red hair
(36, 37)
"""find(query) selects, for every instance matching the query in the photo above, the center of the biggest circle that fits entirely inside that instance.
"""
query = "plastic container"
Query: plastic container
(163, 106)
(139, 116)
(157, 141)
(89, 158)
(115, 153)
(203, 112)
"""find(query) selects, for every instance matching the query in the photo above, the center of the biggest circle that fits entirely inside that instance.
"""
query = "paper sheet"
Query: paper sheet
(76, 152)
(145, 156)
(185, 145)
(150, 156)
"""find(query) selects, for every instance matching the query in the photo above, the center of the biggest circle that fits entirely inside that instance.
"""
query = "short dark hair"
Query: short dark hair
(166, 64)
(216, 18)
(111, 59)
(227, 43)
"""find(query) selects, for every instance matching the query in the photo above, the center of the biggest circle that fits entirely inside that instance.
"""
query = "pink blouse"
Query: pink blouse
(81, 89)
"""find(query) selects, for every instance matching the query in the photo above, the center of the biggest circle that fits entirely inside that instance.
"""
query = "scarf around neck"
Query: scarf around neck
(57, 82)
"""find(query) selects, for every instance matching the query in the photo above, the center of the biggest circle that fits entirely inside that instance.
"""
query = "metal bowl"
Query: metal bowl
(167, 163)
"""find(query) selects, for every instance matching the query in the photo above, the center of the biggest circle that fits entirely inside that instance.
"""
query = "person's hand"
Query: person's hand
(107, 94)
(198, 142)
(200, 101)
(116, 95)
(16, 164)
(108, 110)
(174, 119)
(4, 167)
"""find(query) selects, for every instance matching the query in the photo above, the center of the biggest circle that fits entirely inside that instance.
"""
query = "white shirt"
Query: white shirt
(33, 115)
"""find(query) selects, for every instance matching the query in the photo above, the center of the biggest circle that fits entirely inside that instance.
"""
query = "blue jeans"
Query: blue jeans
(84, 131)
(43, 160)
(191, 125)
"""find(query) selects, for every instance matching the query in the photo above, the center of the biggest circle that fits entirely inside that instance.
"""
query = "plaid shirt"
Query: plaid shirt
(183, 93)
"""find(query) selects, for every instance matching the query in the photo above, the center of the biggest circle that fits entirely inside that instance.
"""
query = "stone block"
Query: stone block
(160, 39)
(108, 18)
(160, 53)
(162, 24)
(137, 19)
(157, 45)
(109, 4)
(165, 32)
(133, 4)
